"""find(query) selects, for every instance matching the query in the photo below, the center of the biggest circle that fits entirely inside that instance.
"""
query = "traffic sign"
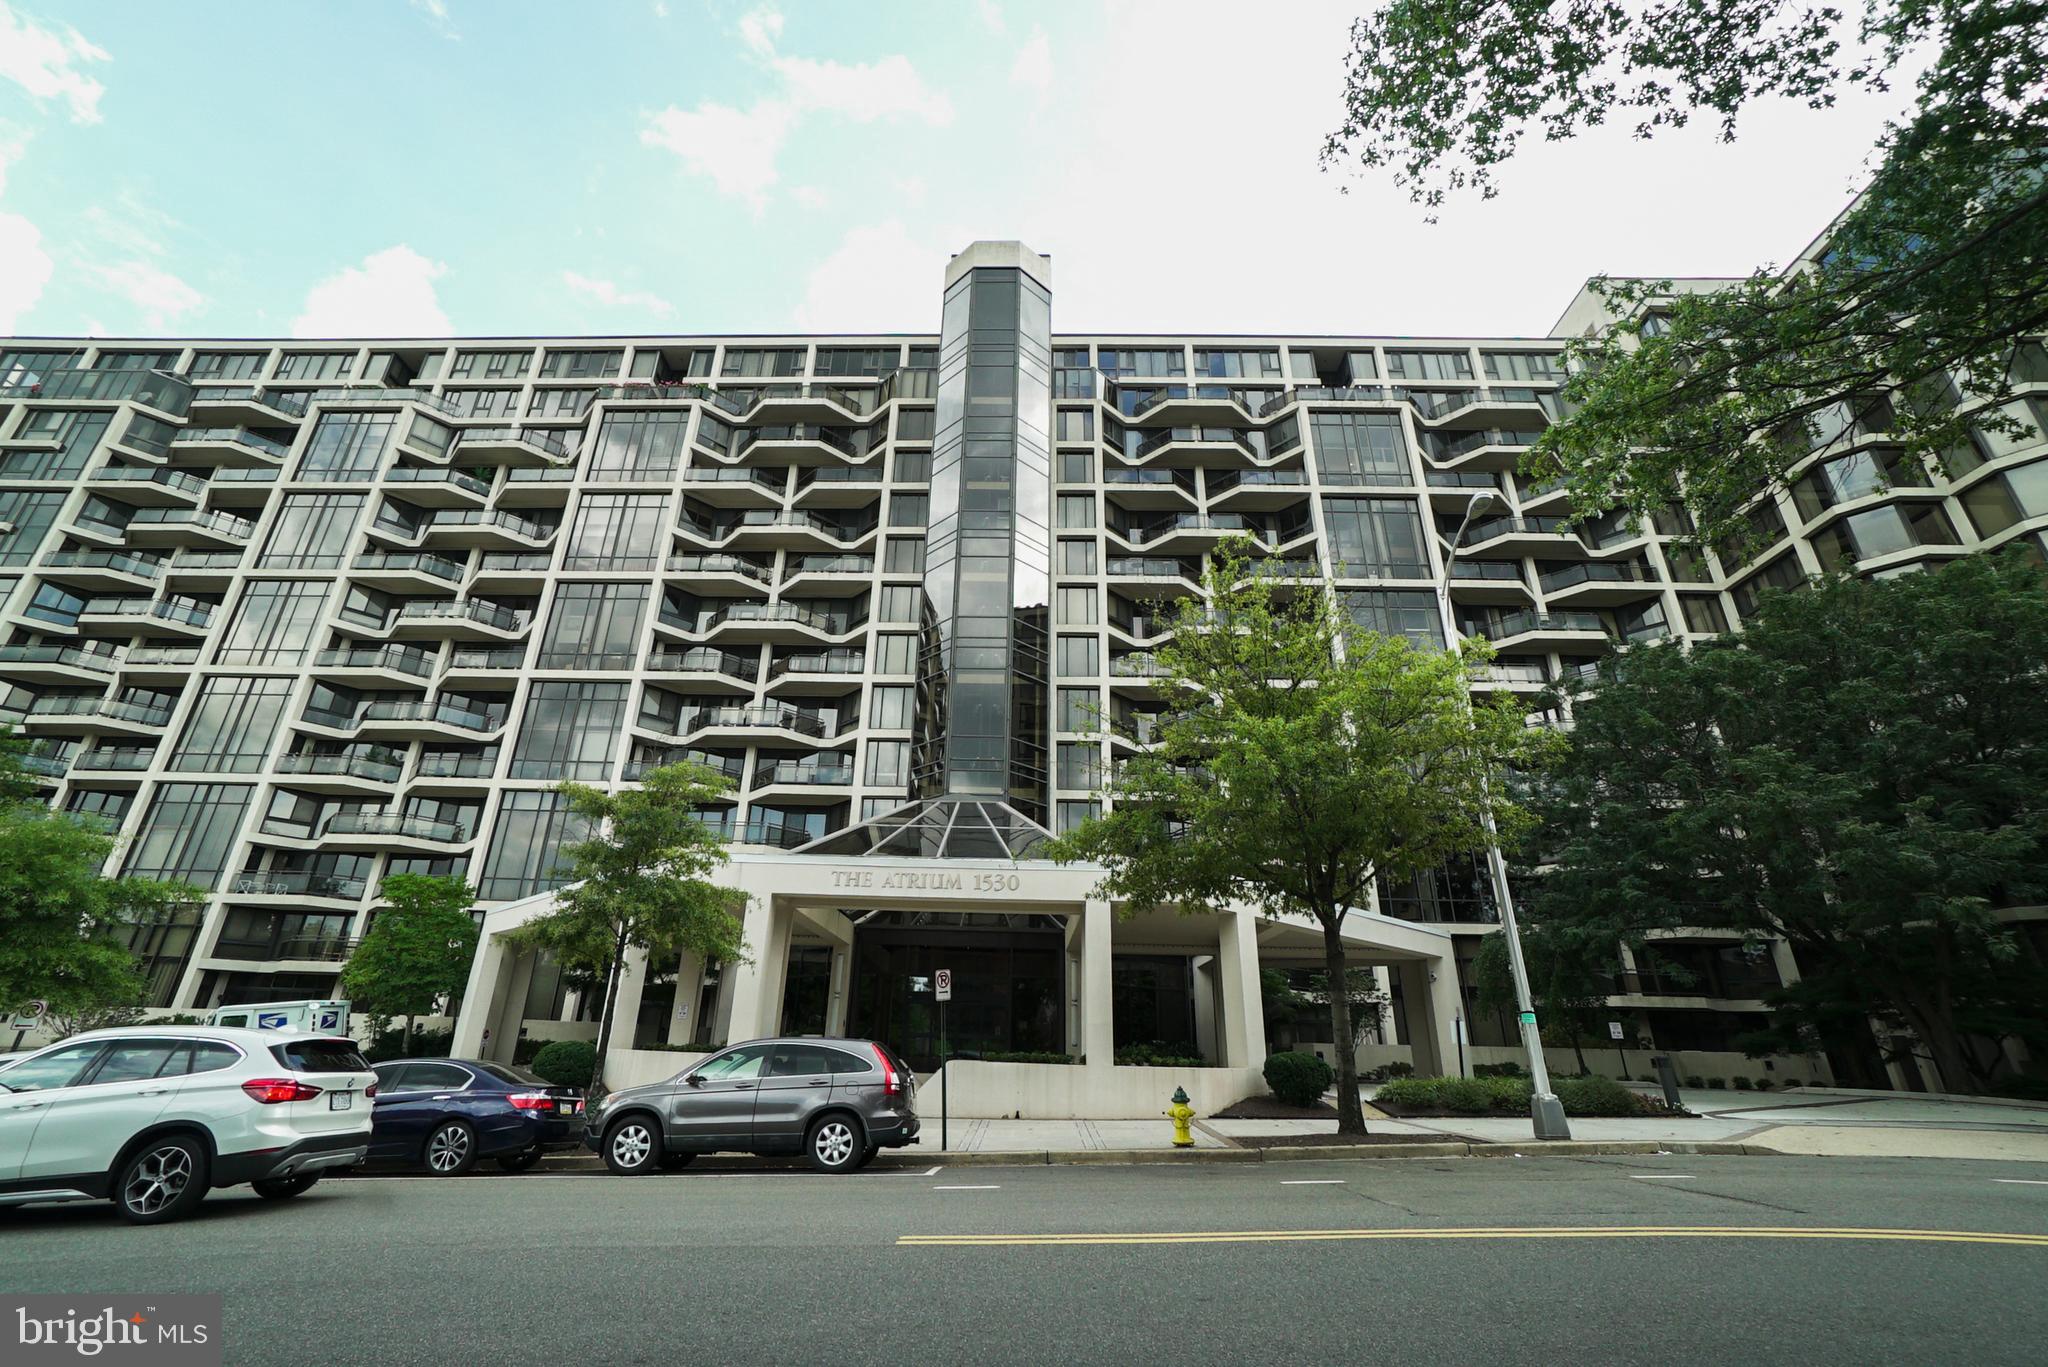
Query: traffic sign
(1614, 1029)
(942, 984)
(26, 1017)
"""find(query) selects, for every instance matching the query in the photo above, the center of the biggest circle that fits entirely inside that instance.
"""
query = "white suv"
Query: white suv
(153, 1117)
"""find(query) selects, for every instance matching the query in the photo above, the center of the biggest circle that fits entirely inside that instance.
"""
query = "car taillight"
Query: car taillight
(271, 1090)
(370, 1090)
(892, 1085)
(531, 1101)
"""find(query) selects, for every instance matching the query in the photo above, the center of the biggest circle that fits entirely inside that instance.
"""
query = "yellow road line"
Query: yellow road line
(1261, 1236)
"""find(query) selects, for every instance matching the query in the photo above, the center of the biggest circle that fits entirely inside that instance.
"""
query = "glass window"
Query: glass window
(1360, 448)
(582, 365)
(316, 365)
(888, 763)
(638, 446)
(1077, 556)
(571, 731)
(30, 515)
(128, 1060)
(188, 832)
(916, 424)
(312, 531)
(617, 532)
(896, 654)
(734, 1065)
(226, 365)
(908, 510)
(1412, 614)
(849, 360)
(1077, 467)
(1703, 614)
(484, 403)
(491, 365)
(75, 434)
(436, 1077)
(890, 707)
(526, 844)
(560, 403)
(1072, 814)
(903, 555)
(594, 626)
(1521, 365)
(201, 1056)
(897, 603)
(1080, 766)
(1429, 365)
(1376, 537)
(347, 447)
(58, 1068)
(1077, 510)
(1077, 607)
(1080, 710)
(1076, 424)
(1231, 365)
(762, 362)
(232, 726)
(1079, 656)
(274, 623)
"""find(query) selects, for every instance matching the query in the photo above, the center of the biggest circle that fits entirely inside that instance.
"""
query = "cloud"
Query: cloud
(737, 148)
(438, 18)
(880, 278)
(391, 294)
(611, 296)
(28, 270)
(810, 196)
(1033, 67)
(992, 16)
(129, 225)
(48, 64)
(660, 9)
(161, 296)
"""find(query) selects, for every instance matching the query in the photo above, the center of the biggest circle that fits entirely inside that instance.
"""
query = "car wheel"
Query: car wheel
(162, 1180)
(283, 1188)
(867, 1156)
(632, 1146)
(671, 1161)
(519, 1162)
(451, 1149)
(835, 1144)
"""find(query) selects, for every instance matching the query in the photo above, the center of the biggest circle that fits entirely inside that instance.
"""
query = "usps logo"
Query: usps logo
(330, 1020)
(271, 1020)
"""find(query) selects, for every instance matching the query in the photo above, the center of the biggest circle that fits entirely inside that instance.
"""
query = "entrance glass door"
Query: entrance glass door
(1007, 988)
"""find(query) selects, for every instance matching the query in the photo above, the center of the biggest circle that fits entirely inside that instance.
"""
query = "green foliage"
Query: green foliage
(1298, 1079)
(391, 1044)
(1509, 1069)
(1028, 1056)
(1863, 772)
(417, 952)
(1742, 1084)
(1298, 757)
(1694, 1082)
(565, 1062)
(64, 925)
(642, 882)
(1400, 1070)
(1155, 1054)
(1582, 1096)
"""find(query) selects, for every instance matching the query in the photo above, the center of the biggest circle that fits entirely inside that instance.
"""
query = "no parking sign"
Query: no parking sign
(942, 984)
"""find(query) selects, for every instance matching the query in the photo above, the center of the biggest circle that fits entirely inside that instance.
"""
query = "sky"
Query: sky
(486, 167)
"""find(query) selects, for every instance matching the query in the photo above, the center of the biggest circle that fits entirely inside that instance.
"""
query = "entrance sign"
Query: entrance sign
(1614, 1029)
(942, 984)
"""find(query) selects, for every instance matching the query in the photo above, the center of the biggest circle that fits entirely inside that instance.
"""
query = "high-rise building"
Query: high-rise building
(293, 616)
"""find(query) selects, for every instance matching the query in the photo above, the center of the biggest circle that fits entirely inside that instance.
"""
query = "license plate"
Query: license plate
(340, 1101)
(565, 1107)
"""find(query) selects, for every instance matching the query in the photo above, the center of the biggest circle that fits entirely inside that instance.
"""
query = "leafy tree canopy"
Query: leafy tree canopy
(1936, 276)
(1299, 756)
(642, 881)
(418, 950)
(1863, 772)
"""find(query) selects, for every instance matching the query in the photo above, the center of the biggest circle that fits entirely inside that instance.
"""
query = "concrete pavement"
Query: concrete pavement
(1611, 1260)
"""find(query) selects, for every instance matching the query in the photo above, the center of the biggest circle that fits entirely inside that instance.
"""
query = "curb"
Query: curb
(1308, 1153)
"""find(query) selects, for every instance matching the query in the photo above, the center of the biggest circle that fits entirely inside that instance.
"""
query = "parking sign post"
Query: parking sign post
(25, 1020)
(942, 988)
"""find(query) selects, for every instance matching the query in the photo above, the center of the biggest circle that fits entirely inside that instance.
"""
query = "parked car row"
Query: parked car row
(152, 1118)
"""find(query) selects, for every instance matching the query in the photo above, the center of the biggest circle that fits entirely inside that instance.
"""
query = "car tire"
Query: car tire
(670, 1162)
(284, 1188)
(835, 1143)
(632, 1146)
(163, 1179)
(522, 1161)
(450, 1150)
(867, 1156)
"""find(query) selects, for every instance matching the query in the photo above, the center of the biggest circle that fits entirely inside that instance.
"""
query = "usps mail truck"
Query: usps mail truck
(298, 1018)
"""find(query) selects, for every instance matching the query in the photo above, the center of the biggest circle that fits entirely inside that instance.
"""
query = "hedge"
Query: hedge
(1298, 1079)
(1589, 1096)
(566, 1062)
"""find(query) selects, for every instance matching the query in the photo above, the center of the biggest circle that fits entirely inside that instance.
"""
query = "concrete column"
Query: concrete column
(1243, 1028)
(1203, 973)
(754, 988)
(490, 973)
(682, 1017)
(1432, 1013)
(511, 1011)
(1098, 1024)
(626, 1007)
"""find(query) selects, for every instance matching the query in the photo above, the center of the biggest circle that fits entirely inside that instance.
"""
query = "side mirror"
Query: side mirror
(695, 1079)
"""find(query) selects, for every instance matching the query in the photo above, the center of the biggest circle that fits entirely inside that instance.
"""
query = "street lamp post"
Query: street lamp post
(1546, 1112)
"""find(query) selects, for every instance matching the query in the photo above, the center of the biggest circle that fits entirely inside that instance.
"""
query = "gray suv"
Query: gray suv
(836, 1101)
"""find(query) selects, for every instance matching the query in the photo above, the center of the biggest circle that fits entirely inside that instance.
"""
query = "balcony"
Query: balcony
(647, 757)
(736, 486)
(358, 665)
(837, 486)
(512, 571)
(241, 487)
(717, 571)
(149, 615)
(433, 487)
(1497, 583)
(706, 662)
(516, 446)
(1136, 664)
(462, 771)
(1213, 447)
(536, 486)
(1524, 536)
(372, 396)
(61, 664)
(378, 830)
(485, 528)
(305, 949)
(150, 487)
(820, 672)
(1196, 531)
(779, 529)
(1148, 488)
(342, 774)
(234, 446)
(247, 403)
(1492, 449)
(830, 575)
(1599, 585)
(417, 570)
(754, 622)
(122, 765)
(327, 887)
(460, 619)
(1452, 491)
(188, 527)
(823, 771)
(748, 725)
(96, 714)
(102, 569)
(159, 662)
(1265, 489)
(468, 662)
(429, 721)
(1573, 632)
(1168, 573)
(194, 569)
(153, 389)
(1184, 403)
(1145, 627)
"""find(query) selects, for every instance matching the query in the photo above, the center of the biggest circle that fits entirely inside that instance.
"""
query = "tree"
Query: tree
(1935, 276)
(1298, 757)
(417, 952)
(63, 924)
(642, 883)
(1570, 974)
(1862, 772)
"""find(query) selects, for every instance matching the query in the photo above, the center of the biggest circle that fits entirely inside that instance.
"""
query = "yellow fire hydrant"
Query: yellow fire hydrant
(1181, 1113)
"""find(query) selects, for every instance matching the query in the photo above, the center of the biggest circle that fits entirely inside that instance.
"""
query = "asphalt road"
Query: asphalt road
(1421, 1262)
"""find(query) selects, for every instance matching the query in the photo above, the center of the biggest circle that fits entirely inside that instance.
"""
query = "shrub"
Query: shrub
(566, 1062)
(1717, 1084)
(1763, 1084)
(1028, 1056)
(1497, 1070)
(1595, 1095)
(1695, 1081)
(1151, 1054)
(1742, 1084)
(1400, 1070)
(1298, 1079)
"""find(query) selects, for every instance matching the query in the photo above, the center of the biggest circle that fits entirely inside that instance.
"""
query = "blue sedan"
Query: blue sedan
(446, 1113)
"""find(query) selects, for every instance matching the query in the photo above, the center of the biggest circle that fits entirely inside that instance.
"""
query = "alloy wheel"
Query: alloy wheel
(834, 1143)
(631, 1145)
(157, 1180)
(447, 1150)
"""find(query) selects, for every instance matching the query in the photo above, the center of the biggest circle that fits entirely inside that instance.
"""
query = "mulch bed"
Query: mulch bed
(1303, 1141)
(1394, 1111)
(1267, 1108)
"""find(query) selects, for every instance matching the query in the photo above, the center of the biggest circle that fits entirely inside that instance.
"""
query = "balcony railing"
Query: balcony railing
(113, 709)
(76, 657)
(439, 566)
(488, 657)
(162, 609)
(456, 766)
(286, 401)
(374, 394)
(1493, 529)
(1572, 575)
(428, 474)
(819, 662)
(704, 660)
(439, 713)
(394, 824)
(418, 663)
(161, 657)
(467, 610)
(1522, 623)
(231, 436)
(296, 883)
(163, 392)
(535, 437)
(120, 562)
(1149, 567)
(117, 759)
(803, 772)
(343, 766)
(175, 480)
(719, 564)
(742, 717)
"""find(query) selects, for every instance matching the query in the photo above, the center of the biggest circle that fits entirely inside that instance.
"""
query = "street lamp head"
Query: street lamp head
(1483, 503)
